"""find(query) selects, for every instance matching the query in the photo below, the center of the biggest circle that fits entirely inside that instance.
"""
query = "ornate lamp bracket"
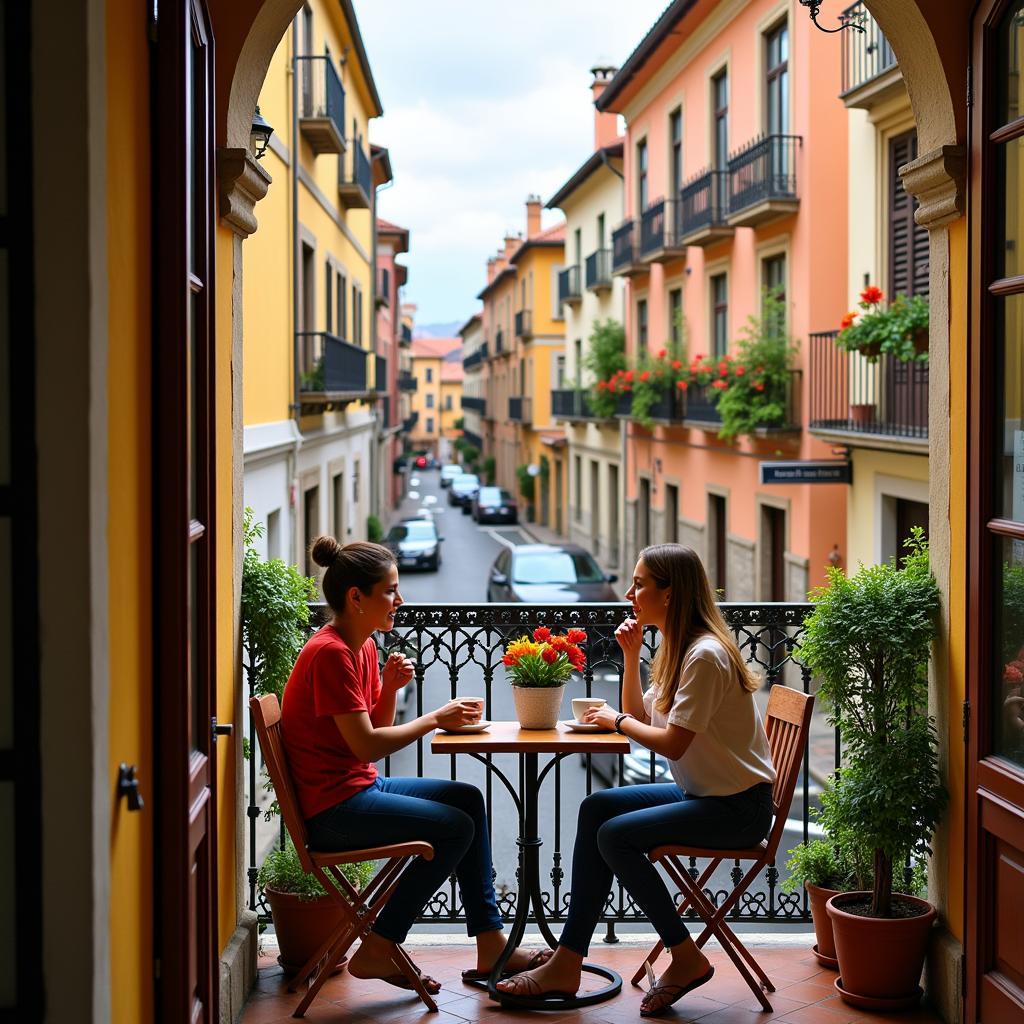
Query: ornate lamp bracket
(851, 21)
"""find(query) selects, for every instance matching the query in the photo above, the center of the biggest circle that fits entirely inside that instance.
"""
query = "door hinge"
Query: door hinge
(966, 719)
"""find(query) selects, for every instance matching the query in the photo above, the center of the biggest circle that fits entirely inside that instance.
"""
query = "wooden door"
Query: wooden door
(183, 496)
(995, 751)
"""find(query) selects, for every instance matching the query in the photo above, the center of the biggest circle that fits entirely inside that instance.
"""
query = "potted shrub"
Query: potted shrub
(869, 641)
(899, 330)
(527, 488)
(538, 670)
(304, 915)
(605, 356)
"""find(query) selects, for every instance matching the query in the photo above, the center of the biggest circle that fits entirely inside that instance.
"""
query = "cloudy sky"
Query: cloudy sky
(484, 102)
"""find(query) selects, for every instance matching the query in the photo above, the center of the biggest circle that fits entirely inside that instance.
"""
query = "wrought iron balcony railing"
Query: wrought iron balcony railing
(405, 335)
(355, 177)
(571, 404)
(410, 422)
(406, 381)
(524, 324)
(704, 208)
(626, 249)
(475, 404)
(762, 180)
(474, 439)
(851, 395)
(569, 285)
(380, 373)
(659, 231)
(330, 370)
(598, 270)
(457, 650)
(520, 409)
(321, 104)
(472, 361)
(867, 55)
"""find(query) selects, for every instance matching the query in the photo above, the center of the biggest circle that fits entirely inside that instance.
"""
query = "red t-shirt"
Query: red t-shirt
(328, 679)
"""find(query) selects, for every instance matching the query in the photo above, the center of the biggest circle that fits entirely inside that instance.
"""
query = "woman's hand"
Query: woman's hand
(398, 670)
(603, 716)
(455, 714)
(630, 637)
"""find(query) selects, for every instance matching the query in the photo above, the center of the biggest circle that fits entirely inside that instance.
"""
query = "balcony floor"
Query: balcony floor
(804, 994)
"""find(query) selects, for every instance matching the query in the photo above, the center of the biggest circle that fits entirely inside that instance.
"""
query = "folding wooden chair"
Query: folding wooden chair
(359, 909)
(788, 724)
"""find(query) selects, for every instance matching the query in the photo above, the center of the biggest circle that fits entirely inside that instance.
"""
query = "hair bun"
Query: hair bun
(325, 551)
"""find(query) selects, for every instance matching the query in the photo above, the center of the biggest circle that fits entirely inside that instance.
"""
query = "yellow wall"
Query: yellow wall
(452, 388)
(129, 513)
(420, 366)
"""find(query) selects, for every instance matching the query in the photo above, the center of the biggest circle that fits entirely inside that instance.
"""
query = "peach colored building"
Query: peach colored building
(735, 180)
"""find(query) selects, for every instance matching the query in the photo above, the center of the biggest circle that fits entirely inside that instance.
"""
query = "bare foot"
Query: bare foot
(376, 958)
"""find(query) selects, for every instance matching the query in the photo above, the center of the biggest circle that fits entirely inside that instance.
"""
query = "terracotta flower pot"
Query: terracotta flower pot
(825, 946)
(537, 707)
(872, 350)
(862, 413)
(880, 959)
(302, 926)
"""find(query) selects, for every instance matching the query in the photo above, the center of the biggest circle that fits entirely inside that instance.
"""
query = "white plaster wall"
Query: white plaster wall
(862, 203)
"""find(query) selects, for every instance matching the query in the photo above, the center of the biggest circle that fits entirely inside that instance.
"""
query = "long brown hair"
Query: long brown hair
(691, 613)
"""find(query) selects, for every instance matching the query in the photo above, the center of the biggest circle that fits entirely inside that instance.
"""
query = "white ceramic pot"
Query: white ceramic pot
(537, 707)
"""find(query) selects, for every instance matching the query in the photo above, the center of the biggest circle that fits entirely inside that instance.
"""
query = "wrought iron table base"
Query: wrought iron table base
(529, 843)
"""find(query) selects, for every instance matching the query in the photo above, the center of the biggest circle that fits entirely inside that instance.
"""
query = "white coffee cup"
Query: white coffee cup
(477, 701)
(581, 704)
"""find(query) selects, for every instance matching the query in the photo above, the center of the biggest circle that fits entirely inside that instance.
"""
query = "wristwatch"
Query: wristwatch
(619, 720)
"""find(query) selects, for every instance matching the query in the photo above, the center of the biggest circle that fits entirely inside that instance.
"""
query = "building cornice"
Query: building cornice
(938, 181)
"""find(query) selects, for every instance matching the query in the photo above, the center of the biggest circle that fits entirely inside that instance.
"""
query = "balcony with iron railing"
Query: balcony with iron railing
(524, 324)
(704, 209)
(870, 72)
(520, 409)
(380, 373)
(321, 104)
(499, 343)
(355, 177)
(626, 250)
(410, 421)
(598, 271)
(762, 181)
(475, 404)
(332, 372)
(457, 650)
(474, 439)
(406, 381)
(659, 232)
(572, 404)
(852, 396)
(405, 336)
(473, 361)
(569, 285)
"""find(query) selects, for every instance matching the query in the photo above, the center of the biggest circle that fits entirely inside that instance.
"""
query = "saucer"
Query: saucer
(571, 723)
(471, 727)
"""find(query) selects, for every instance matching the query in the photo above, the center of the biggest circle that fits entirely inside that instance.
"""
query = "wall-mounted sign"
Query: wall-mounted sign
(824, 471)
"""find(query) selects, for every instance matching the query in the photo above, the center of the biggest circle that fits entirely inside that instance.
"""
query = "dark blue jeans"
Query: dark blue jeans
(448, 815)
(617, 827)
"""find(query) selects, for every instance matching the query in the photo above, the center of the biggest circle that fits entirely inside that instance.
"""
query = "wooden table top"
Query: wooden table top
(510, 737)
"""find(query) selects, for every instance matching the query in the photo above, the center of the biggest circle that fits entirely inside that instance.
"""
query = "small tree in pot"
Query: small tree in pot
(869, 640)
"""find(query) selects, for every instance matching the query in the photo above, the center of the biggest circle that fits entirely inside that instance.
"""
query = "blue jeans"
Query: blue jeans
(617, 827)
(448, 815)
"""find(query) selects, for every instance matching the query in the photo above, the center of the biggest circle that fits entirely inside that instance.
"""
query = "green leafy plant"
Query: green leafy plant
(374, 530)
(274, 614)
(821, 863)
(282, 870)
(900, 330)
(869, 640)
(605, 356)
(757, 380)
(460, 423)
(490, 467)
(526, 482)
(651, 381)
(315, 379)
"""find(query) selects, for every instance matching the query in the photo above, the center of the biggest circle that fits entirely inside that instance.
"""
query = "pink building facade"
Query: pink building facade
(735, 180)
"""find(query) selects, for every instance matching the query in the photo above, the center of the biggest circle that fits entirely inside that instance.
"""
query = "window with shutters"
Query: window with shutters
(908, 241)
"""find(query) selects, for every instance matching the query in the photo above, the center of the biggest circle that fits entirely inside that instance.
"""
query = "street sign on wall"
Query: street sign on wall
(809, 471)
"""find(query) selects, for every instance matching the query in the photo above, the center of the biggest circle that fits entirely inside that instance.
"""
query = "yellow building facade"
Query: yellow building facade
(437, 398)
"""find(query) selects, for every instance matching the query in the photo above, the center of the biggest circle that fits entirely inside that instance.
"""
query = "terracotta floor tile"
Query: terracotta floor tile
(818, 1014)
(811, 991)
(781, 1005)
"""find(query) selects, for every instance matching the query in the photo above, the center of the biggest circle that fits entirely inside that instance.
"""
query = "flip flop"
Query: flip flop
(673, 992)
(534, 991)
(432, 985)
(538, 959)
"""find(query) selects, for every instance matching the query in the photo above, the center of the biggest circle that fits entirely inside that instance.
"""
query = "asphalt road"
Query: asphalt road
(467, 553)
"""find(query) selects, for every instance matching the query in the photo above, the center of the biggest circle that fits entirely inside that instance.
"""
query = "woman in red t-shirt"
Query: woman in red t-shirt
(337, 719)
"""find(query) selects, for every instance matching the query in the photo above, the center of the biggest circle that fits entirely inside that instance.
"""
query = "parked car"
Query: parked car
(549, 574)
(462, 490)
(449, 472)
(415, 544)
(494, 505)
(421, 462)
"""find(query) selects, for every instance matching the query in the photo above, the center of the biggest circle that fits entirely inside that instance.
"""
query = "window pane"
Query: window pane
(1009, 342)
(1008, 672)
(1011, 87)
(1009, 212)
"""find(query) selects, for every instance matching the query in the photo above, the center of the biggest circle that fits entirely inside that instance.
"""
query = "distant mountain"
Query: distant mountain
(449, 330)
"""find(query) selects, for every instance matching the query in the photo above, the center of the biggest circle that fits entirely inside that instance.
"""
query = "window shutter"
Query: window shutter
(556, 306)
(908, 241)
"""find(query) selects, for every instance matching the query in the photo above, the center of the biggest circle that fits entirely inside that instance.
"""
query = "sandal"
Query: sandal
(538, 959)
(533, 989)
(432, 985)
(669, 994)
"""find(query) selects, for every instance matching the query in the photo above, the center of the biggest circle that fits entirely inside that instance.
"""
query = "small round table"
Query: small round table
(511, 738)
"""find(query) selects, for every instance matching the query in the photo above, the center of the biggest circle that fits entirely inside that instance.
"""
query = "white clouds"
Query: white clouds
(484, 103)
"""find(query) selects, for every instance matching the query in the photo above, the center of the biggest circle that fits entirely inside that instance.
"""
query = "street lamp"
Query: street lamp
(260, 134)
(845, 20)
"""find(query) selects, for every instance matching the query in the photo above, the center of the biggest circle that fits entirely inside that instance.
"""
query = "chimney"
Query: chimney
(492, 268)
(511, 244)
(606, 124)
(533, 204)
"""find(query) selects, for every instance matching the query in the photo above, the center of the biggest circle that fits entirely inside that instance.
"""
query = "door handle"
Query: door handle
(223, 729)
